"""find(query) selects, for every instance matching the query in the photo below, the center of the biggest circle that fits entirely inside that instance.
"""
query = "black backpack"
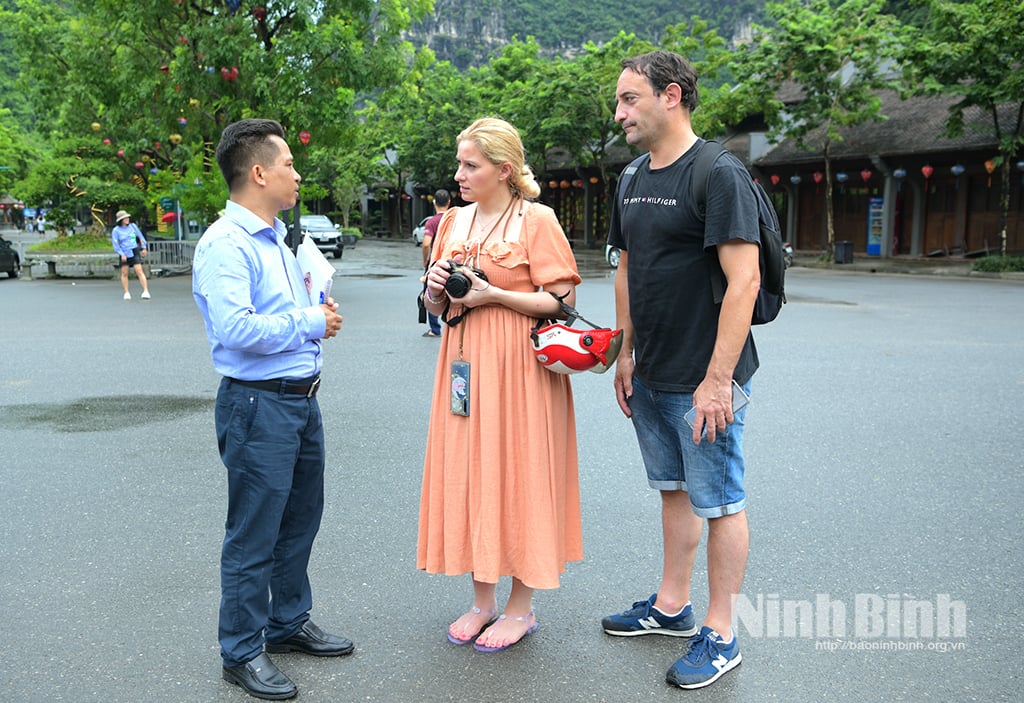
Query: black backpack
(773, 267)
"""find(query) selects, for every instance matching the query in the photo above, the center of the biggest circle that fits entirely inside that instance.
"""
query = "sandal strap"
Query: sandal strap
(489, 613)
(520, 618)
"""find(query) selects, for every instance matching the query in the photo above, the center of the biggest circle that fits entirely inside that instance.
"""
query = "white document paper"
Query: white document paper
(317, 271)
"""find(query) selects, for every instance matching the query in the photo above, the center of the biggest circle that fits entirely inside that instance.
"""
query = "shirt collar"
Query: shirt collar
(252, 223)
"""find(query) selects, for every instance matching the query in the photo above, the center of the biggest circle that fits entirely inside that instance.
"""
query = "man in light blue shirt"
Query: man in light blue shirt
(266, 340)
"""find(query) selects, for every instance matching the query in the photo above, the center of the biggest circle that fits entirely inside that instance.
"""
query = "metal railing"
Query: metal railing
(170, 257)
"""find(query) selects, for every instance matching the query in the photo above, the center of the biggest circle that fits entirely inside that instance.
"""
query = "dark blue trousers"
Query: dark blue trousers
(434, 322)
(273, 447)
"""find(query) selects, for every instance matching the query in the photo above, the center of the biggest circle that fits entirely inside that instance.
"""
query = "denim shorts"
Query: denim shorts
(712, 473)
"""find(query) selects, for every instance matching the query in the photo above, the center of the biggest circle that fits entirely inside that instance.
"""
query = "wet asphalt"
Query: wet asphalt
(884, 478)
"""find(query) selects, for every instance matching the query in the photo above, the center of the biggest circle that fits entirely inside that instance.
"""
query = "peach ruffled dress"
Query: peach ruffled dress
(501, 486)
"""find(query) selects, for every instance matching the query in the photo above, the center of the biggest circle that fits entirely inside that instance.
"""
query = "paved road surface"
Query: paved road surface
(884, 471)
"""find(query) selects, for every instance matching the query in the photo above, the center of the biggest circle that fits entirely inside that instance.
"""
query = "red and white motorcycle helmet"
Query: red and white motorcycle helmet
(563, 349)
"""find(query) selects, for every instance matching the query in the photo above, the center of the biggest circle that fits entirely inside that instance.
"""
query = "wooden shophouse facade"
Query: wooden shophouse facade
(899, 187)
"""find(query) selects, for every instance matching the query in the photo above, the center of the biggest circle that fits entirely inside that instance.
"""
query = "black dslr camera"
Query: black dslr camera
(458, 283)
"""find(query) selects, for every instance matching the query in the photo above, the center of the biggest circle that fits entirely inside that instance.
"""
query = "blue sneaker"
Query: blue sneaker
(644, 619)
(705, 661)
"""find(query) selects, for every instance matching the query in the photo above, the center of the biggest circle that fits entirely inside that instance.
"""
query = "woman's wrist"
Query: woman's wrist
(431, 299)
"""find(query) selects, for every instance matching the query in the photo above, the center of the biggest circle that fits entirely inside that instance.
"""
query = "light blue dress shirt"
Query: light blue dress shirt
(250, 292)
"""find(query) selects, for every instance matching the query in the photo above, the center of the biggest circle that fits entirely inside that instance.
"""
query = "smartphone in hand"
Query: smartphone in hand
(739, 401)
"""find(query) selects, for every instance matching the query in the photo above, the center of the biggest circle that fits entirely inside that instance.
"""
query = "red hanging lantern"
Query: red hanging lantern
(865, 175)
(990, 167)
(552, 185)
(304, 137)
(595, 180)
(775, 179)
(819, 176)
(927, 171)
(564, 185)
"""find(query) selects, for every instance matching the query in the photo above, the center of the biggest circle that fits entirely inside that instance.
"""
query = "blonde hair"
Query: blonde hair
(499, 142)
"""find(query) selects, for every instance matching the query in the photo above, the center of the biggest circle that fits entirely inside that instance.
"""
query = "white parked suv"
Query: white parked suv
(324, 234)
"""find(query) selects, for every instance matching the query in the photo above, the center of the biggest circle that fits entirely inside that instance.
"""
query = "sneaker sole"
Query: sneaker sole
(653, 631)
(733, 663)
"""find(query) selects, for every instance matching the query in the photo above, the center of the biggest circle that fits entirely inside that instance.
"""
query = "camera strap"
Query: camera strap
(571, 314)
(452, 321)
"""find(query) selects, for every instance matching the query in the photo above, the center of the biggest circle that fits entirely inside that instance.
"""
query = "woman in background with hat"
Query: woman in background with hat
(131, 246)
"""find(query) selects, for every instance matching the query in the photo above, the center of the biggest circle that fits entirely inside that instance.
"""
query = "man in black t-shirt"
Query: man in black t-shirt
(682, 349)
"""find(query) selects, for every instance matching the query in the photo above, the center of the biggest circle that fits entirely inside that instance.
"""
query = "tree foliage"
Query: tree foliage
(120, 103)
(160, 79)
(833, 53)
(567, 25)
(974, 50)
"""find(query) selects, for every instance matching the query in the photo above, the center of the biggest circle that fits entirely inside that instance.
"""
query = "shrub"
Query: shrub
(998, 264)
(86, 241)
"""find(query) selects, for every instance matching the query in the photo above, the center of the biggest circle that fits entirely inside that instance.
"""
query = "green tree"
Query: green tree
(834, 52)
(722, 102)
(160, 79)
(351, 173)
(442, 101)
(973, 50)
(583, 89)
(15, 154)
(409, 129)
(509, 89)
(74, 180)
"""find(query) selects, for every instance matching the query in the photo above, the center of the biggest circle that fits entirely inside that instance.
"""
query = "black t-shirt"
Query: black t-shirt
(670, 264)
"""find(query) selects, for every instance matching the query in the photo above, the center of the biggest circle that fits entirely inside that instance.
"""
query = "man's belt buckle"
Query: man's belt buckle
(313, 388)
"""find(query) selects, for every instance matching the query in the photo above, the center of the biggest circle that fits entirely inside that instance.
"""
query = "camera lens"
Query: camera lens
(457, 285)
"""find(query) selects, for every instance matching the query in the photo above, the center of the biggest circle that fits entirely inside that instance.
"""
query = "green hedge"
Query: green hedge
(84, 242)
(999, 264)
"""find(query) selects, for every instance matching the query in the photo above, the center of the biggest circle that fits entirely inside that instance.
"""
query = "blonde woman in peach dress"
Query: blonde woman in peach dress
(500, 484)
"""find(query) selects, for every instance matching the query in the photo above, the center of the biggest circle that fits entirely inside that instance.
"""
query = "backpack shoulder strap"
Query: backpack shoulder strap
(706, 158)
(628, 173)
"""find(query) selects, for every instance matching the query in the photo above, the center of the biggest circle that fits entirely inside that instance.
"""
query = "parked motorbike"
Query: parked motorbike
(787, 254)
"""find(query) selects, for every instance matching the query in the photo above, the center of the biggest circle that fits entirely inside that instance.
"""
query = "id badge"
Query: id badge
(460, 387)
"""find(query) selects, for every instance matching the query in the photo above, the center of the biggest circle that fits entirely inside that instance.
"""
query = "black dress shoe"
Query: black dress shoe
(260, 677)
(312, 640)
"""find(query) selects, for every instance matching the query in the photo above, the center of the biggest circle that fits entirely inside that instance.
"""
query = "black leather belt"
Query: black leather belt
(307, 387)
